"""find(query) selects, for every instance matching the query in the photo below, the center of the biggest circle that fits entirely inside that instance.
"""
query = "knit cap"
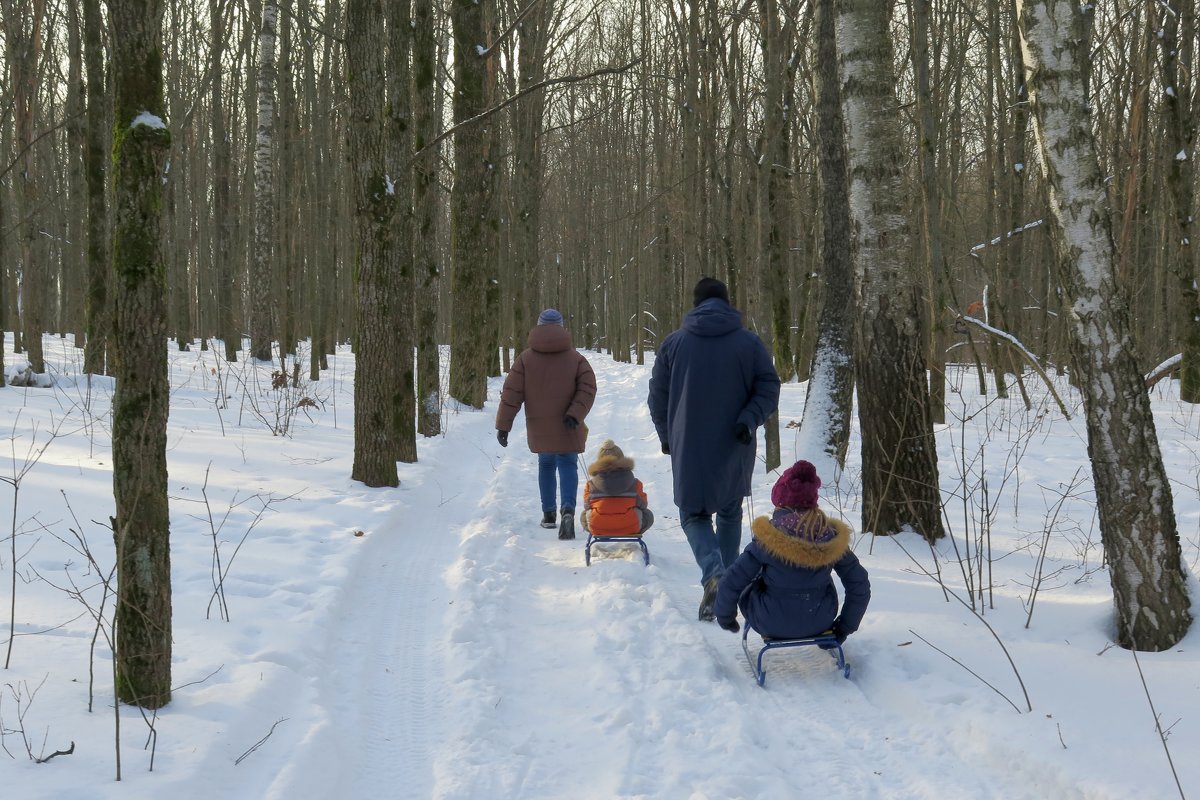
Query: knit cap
(550, 317)
(708, 288)
(610, 450)
(797, 487)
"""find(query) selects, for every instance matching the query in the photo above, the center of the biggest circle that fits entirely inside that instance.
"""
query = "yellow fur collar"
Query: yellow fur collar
(801, 552)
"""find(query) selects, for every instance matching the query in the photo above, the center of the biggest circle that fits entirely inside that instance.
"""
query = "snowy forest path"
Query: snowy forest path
(479, 658)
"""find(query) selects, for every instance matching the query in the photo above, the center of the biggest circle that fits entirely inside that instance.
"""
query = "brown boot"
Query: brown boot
(709, 599)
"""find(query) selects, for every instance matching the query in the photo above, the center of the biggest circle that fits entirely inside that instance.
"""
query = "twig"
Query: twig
(259, 743)
(968, 669)
(66, 752)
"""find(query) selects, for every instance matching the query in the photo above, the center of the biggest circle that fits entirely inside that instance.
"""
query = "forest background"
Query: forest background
(407, 174)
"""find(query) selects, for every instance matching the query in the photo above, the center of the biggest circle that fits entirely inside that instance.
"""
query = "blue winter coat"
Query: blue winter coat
(708, 376)
(788, 568)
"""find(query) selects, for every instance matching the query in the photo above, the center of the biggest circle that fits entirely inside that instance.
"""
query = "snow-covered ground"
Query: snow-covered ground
(431, 641)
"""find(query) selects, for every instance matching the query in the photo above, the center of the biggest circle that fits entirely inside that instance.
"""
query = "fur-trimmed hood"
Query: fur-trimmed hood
(610, 464)
(804, 539)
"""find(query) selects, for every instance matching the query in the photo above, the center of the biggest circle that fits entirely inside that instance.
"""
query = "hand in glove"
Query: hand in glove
(742, 433)
(838, 633)
(570, 422)
(730, 624)
(666, 448)
(502, 438)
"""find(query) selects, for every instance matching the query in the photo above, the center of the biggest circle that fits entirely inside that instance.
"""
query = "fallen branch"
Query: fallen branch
(1163, 370)
(66, 752)
(259, 743)
(1014, 343)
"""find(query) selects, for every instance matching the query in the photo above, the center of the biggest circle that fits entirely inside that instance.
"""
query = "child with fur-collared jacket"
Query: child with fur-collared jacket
(783, 580)
(615, 503)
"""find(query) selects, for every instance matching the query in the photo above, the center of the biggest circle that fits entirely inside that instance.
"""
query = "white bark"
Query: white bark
(1137, 519)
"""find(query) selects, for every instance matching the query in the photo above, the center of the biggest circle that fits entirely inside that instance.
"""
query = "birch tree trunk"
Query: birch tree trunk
(141, 143)
(97, 312)
(1133, 495)
(375, 445)
(260, 294)
(829, 403)
(900, 477)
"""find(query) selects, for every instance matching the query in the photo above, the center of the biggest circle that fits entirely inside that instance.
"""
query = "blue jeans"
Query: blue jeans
(564, 466)
(715, 550)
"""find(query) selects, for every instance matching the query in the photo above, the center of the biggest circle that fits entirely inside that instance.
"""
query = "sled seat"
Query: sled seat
(593, 539)
(826, 641)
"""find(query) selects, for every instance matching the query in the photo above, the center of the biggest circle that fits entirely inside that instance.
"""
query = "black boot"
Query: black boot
(548, 519)
(709, 600)
(566, 526)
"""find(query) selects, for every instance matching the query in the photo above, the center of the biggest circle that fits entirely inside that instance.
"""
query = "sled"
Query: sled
(593, 539)
(826, 641)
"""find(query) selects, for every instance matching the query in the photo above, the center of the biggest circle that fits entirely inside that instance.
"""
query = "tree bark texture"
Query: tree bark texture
(1133, 495)
(1180, 153)
(140, 404)
(471, 222)
(97, 309)
(900, 476)
(829, 402)
(425, 216)
(375, 395)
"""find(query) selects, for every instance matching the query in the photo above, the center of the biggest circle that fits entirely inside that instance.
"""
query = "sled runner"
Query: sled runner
(825, 641)
(594, 539)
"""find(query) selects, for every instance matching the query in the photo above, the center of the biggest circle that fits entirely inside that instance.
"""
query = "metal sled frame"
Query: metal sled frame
(826, 641)
(591, 540)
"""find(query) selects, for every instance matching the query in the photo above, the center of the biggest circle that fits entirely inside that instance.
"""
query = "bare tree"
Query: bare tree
(141, 143)
(261, 294)
(1133, 494)
(828, 405)
(471, 220)
(375, 445)
(97, 308)
(425, 216)
(900, 477)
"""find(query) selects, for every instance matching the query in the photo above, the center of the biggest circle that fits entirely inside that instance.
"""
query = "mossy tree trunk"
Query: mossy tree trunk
(375, 447)
(141, 143)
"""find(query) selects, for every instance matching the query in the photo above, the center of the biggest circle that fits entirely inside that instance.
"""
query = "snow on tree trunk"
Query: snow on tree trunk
(141, 143)
(900, 477)
(1133, 496)
(825, 428)
(264, 189)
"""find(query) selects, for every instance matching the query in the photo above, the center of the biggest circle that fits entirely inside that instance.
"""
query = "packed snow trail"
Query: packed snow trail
(475, 657)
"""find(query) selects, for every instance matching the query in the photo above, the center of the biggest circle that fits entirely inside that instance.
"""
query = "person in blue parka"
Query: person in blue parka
(713, 384)
(783, 580)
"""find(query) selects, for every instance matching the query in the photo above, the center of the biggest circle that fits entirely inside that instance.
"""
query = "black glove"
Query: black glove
(730, 624)
(666, 448)
(570, 422)
(743, 433)
(838, 633)
(502, 438)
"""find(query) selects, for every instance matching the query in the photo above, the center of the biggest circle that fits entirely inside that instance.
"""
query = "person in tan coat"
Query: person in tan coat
(557, 387)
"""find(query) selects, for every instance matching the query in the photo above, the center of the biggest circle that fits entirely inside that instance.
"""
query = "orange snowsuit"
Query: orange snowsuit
(615, 502)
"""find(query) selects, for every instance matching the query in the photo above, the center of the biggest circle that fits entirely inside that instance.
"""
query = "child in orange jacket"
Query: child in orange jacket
(614, 501)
